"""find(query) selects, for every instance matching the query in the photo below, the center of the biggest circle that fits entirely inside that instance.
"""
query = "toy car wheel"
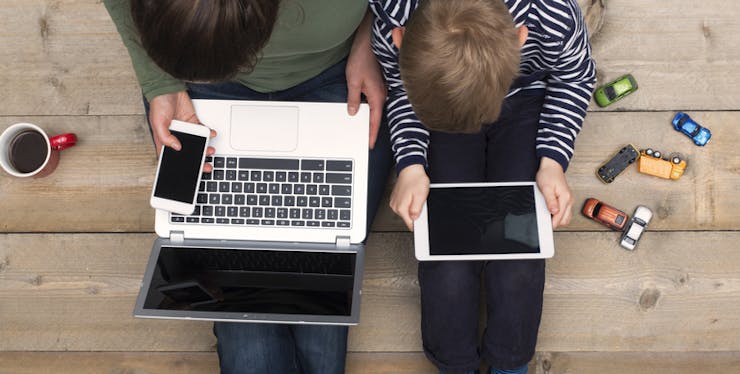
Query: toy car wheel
(649, 151)
(657, 154)
(676, 160)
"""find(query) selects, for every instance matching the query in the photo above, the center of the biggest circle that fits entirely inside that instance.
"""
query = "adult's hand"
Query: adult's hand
(162, 110)
(409, 194)
(364, 77)
(551, 181)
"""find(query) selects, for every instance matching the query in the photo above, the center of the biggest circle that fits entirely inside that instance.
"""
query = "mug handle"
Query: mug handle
(63, 141)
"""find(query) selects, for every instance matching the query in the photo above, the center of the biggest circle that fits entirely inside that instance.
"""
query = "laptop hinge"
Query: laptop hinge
(343, 242)
(177, 236)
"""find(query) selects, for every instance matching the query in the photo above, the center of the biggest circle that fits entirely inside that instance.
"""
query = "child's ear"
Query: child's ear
(397, 35)
(522, 31)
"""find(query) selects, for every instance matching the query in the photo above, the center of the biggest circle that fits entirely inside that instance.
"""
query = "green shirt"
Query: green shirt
(309, 36)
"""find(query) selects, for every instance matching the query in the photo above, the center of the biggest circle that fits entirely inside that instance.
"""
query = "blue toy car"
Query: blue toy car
(699, 134)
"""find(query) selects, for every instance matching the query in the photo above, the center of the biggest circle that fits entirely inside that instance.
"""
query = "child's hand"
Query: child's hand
(409, 194)
(552, 183)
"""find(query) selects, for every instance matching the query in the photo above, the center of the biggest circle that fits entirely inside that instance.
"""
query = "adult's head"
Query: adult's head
(458, 60)
(204, 40)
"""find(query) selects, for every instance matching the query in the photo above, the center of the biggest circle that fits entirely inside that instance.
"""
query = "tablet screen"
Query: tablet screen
(482, 220)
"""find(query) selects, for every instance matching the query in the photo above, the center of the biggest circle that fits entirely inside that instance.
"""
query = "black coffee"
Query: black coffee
(27, 151)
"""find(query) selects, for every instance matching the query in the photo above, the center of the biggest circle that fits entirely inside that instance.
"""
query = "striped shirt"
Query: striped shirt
(556, 60)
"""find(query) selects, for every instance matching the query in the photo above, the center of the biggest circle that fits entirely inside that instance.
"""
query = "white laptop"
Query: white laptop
(277, 233)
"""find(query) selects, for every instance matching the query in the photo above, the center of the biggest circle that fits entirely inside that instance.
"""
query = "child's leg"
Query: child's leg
(449, 313)
(450, 290)
(514, 307)
(513, 288)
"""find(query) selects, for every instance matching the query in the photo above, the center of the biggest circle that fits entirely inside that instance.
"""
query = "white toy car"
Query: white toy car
(636, 226)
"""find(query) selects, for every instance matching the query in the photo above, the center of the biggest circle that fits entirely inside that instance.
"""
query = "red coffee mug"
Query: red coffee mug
(27, 151)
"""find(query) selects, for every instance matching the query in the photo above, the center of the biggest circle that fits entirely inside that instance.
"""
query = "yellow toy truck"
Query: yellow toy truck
(651, 163)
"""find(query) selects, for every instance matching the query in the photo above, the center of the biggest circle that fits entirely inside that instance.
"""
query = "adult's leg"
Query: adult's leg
(255, 348)
(513, 288)
(313, 349)
(450, 289)
(320, 349)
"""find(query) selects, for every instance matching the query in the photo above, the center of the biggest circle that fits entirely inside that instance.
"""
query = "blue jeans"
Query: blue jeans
(282, 348)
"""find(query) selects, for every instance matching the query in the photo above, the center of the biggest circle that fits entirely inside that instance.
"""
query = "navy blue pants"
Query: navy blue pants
(450, 290)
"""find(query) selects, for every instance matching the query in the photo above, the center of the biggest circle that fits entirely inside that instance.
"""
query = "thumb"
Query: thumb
(551, 200)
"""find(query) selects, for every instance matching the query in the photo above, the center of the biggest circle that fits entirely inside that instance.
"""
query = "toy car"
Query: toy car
(615, 90)
(651, 163)
(610, 169)
(604, 214)
(636, 226)
(685, 124)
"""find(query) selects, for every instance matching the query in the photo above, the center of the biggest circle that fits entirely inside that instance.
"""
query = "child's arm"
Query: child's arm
(409, 193)
(568, 94)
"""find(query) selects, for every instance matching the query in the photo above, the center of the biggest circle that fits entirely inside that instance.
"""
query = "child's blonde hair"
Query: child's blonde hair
(458, 60)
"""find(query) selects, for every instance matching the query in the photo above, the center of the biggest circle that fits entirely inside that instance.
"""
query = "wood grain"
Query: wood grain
(678, 291)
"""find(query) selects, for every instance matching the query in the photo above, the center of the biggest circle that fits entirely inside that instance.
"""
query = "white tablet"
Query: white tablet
(484, 221)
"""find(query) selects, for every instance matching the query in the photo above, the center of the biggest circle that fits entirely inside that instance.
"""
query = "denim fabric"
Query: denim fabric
(450, 291)
(301, 349)
(522, 370)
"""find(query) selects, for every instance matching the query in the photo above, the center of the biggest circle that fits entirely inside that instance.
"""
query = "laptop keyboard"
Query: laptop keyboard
(274, 192)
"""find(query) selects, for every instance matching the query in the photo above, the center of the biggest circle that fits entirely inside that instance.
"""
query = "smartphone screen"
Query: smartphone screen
(179, 170)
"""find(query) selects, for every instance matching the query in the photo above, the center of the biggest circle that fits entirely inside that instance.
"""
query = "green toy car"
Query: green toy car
(615, 90)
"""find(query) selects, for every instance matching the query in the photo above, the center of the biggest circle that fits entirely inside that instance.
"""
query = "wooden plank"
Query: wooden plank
(370, 363)
(679, 291)
(679, 58)
(635, 362)
(183, 363)
(62, 58)
(103, 184)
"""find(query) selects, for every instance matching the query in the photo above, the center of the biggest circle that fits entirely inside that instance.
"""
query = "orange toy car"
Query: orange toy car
(650, 162)
(605, 214)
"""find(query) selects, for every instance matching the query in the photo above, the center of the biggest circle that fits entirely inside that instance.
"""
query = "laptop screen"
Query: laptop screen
(252, 281)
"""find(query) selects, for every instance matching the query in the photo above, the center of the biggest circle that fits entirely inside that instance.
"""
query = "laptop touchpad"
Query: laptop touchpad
(264, 128)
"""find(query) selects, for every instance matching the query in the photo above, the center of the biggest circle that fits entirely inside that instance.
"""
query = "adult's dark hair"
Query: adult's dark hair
(204, 40)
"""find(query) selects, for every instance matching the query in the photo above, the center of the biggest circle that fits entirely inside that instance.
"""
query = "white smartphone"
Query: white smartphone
(179, 172)
(484, 221)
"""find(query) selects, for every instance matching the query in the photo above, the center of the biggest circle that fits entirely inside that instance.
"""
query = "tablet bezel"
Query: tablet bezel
(544, 226)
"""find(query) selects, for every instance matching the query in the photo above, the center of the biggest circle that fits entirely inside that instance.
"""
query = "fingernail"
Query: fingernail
(352, 110)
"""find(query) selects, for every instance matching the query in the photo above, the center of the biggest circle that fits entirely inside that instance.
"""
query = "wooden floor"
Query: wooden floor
(73, 246)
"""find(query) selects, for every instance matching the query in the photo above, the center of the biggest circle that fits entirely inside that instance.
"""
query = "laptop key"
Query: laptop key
(312, 164)
(268, 163)
(341, 190)
(341, 165)
(339, 178)
(342, 202)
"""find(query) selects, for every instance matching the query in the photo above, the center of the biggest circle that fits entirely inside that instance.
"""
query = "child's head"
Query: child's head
(204, 40)
(458, 60)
